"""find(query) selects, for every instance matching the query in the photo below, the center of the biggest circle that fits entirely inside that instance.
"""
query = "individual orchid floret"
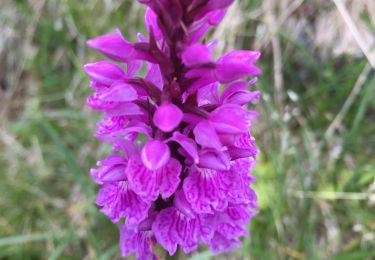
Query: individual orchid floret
(182, 156)
(149, 184)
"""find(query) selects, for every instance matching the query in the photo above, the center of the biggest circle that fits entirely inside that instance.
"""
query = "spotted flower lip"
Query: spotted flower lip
(182, 155)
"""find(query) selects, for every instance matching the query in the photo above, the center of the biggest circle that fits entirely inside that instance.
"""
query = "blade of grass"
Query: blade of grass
(21, 239)
(56, 253)
(109, 253)
(69, 158)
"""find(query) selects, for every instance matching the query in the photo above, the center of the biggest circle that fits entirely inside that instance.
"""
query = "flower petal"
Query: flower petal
(202, 189)
(155, 154)
(152, 24)
(232, 88)
(124, 109)
(111, 169)
(104, 72)
(133, 67)
(167, 117)
(237, 183)
(119, 201)
(208, 94)
(139, 242)
(220, 243)
(148, 184)
(196, 54)
(114, 46)
(237, 64)
(213, 5)
(243, 97)
(154, 75)
(119, 92)
(206, 136)
(173, 228)
(229, 225)
(187, 143)
(231, 119)
(213, 159)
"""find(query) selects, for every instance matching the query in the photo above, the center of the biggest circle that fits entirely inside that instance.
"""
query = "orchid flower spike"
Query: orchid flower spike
(186, 181)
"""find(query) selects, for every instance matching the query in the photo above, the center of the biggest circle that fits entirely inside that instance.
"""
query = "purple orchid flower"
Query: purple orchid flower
(187, 180)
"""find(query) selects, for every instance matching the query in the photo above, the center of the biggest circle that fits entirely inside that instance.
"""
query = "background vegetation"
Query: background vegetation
(316, 171)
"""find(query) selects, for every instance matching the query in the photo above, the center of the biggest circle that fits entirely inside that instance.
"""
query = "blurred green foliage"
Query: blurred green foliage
(314, 189)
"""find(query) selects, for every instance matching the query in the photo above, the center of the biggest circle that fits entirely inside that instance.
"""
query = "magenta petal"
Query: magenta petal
(94, 102)
(152, 24)
(148, 184)
(213, 5)
(155, 154)
(119, 92)
(230, 224)
(169, 178)
(238, 153)
(133, 128)
(206, 136)
(236, 93)
(197, 32)
(124, 109)
(182, 204)
(104, 72)
(196, 54)
(163, 230)
(233, 88)
(237, 183)
(220, 243)
(167, 117)
(118, 201)
(173, 228)
(154, 75)
(237, 64)
(231, 119)
(209, 94)
(111, 169)
(233, 71)
(213, 159)
(243, 97)
(133, 67)
(203, 191)
(126, 146)
(187, 143)
(215, 17)
(245, 56)
(247, 142)
(139, 242)
(109, 124)
(114, 46)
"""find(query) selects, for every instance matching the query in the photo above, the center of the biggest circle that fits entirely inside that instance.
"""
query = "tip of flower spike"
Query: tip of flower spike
(155, 154)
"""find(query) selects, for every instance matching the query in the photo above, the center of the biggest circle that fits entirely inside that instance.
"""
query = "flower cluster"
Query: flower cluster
(182, 157)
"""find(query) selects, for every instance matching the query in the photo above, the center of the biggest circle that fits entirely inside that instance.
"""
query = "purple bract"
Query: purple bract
(186, 181)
